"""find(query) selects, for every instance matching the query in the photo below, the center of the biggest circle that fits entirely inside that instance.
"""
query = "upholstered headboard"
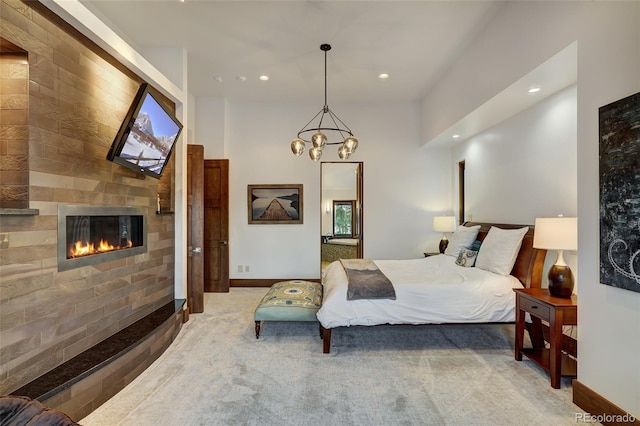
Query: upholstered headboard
(529, 264)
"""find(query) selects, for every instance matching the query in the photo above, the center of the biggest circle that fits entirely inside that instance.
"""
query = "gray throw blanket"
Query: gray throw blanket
(366, 281)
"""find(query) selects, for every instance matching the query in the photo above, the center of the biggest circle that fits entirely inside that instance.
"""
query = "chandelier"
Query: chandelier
(348, 143)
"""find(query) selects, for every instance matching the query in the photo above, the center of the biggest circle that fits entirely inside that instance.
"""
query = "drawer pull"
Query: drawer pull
(534, 306)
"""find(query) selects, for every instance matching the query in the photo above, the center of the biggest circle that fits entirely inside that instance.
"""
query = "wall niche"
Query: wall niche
(14, 129)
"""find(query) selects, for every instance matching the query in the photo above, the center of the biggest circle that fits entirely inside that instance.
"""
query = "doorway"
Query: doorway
(341, 235)
(216, 226)
(461, 211)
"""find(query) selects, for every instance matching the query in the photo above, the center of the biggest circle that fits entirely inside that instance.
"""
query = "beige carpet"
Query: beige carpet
(217, 373)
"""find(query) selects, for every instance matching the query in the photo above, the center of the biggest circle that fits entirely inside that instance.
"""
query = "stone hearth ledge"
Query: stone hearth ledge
(50, 387)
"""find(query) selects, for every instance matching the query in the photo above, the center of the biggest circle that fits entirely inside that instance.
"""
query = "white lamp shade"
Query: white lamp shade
(556, 233)
(444, 223)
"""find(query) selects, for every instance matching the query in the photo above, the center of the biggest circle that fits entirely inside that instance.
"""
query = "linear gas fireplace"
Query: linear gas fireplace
(88, 235)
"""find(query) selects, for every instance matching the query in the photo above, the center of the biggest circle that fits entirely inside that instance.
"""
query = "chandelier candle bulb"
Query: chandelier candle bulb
(315, 153)
(351, 144)
(297, 146)
(343, 152)
(319, 139)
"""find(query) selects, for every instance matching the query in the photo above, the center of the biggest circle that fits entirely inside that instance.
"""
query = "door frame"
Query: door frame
(195, 228)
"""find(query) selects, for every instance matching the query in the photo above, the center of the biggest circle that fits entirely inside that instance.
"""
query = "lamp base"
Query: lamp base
(560, 281)
(443, 245)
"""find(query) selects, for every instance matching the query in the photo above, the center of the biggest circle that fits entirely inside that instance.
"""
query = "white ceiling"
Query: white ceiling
(556, 73)
(413, 41)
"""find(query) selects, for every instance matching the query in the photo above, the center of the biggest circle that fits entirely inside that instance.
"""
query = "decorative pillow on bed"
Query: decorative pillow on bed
(500, 249)
(461, 239)
(466, 258)
(476, 245)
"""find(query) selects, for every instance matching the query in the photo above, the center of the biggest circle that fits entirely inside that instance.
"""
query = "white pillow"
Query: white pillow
(499, 249)
(462, 238)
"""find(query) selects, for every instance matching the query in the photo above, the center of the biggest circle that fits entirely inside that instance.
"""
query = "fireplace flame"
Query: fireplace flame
(84, 248)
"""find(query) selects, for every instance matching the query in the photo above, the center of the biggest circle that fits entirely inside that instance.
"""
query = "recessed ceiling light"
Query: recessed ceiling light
(456, 136)
(383, 76)
(264, 77)
(241, 78)
(534, 89)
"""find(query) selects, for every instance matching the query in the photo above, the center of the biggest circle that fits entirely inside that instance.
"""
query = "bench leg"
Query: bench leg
(326, 339)
(257, 329)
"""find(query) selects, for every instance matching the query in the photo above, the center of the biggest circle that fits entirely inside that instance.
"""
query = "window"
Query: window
(343, 218)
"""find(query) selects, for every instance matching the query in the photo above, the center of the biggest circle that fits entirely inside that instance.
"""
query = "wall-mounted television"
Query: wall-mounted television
(147, 135)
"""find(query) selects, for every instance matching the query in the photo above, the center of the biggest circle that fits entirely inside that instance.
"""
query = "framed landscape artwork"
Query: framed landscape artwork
(620, 193)
(275, 204)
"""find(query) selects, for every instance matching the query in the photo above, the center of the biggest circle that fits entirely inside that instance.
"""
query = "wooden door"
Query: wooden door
(216, 226)
(195, 228)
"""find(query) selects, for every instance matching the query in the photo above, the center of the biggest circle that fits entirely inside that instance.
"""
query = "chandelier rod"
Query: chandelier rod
(319, 139)
(336, 129)
(325, 48)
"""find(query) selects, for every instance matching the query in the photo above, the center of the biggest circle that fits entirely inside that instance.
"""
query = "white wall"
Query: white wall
(523, 35)
(524, 167)
(402, 184)
(609, 347)
(211, 127)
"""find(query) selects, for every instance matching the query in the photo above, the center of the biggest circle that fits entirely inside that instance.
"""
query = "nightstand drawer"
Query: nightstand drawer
(535, 308)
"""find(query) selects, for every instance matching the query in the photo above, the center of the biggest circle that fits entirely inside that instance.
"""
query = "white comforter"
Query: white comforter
(428, 291)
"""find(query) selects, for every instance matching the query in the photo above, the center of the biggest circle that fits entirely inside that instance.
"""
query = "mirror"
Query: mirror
(341, 192)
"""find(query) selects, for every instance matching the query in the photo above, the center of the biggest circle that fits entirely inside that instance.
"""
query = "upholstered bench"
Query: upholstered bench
(294, 300)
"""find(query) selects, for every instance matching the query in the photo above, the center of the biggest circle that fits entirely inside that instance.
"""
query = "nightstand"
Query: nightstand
(557, 311)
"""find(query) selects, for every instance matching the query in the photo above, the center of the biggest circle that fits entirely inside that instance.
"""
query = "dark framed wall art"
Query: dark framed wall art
(275, 204)
(620, 193)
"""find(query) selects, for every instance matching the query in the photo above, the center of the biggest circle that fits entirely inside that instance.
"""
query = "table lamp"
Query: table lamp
(444, 224)
(558, 233)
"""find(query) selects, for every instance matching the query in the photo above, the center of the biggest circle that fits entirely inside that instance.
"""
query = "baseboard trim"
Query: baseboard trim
(264, 282)
(603, 410)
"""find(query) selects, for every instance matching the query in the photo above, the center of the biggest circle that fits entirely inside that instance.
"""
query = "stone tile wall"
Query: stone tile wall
(78, 96)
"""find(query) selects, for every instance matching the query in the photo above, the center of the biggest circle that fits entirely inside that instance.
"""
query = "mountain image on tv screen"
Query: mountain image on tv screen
(151, 137)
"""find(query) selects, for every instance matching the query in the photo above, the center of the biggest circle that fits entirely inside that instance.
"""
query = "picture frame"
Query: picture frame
(279, 204)
(619, 150)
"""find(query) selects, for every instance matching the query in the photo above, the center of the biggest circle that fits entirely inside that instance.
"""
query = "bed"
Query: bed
(439, 289)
